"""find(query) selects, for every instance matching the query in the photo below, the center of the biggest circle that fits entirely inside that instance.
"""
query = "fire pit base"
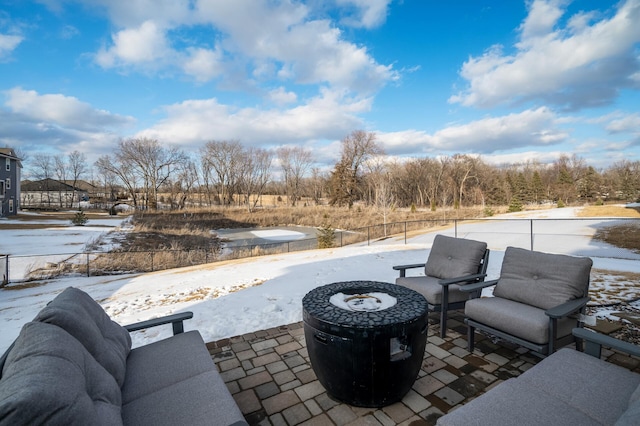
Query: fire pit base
(365, 358)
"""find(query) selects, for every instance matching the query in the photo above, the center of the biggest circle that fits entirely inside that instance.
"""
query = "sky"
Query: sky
(509, 81)
(231, 298)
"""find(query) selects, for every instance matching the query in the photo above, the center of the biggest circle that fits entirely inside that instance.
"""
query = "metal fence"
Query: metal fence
(574, 236)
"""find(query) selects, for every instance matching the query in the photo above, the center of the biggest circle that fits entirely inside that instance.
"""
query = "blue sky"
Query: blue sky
(509, 81)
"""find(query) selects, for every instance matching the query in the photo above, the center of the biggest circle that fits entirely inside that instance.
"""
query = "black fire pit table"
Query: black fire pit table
(365, 340)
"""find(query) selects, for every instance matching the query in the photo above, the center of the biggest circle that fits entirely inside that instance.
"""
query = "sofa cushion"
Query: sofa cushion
(204, 397)
(541, 279)
(454, 257)
(431, 289)
(518, 319)
(515, 402)
(630, 416)
(49, 377)
(82, 317)
(596, 387)
(177, 358)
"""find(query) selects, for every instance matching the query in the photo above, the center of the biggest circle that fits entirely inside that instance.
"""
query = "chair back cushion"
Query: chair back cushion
(542, 280)
(454, 257)
(50, 378)
(79, 315)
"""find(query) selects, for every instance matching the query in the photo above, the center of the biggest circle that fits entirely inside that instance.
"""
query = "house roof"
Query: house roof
(10, 153)
(48, 185)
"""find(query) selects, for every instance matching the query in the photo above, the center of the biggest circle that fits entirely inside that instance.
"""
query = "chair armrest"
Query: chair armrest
(175, 319)
(595, 341)
(403, 268)
(449, 281)
(567, 308)
(468, 288)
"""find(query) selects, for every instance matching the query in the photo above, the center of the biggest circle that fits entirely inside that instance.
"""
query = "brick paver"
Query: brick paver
(269, 375)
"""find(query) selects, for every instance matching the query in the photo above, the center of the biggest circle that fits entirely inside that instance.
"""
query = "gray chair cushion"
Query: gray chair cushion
(82, 317)
(541, 279)
(518, 319)
(431, 290)
(161, 364)
(454, 257)
(49, 377)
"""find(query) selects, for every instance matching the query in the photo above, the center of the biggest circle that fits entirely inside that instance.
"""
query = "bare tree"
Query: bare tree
(152, 162)
(60, 166)
(357, 148)
(461, 171)
(256, 167)
(224, 160)
(77, 164)
(43, 170)
(295, 162)
(124, 171)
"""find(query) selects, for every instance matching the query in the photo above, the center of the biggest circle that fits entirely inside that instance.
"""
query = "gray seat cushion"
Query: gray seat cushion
(49, 377)
(516, 403)
(567, 388)
(205, 397)
(518, 319)
(541, 279)
(596, 387)
(454, 257)
(77, 313)
(163, 363)
(432, 290)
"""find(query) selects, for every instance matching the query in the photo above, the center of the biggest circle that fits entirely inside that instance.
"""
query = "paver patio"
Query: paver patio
(270, 376)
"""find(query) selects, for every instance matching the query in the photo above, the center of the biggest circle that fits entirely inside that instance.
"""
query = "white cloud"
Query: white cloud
(579, 66)
(369, 13)
(629, 123)
(328, 116)
(203, 64)
(145, 44)
(269, 39)
(8, 43)
(60, 110)
(280, 96)
(528, 128)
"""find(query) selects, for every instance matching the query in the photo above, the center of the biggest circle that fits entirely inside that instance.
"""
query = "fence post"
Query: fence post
(405, 232)
(152, 261)
(455, 227)
(531, 232)
(5, 276)
(341, 243)
(88, 270)
(368, 235)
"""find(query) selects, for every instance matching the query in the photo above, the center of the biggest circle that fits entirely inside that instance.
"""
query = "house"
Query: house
(51, 193)
(10, 169)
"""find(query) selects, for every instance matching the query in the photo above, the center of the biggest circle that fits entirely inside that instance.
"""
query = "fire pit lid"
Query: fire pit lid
(318, 307)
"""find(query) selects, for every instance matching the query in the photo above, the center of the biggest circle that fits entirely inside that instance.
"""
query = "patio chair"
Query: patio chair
(451, 264)
(538, 300)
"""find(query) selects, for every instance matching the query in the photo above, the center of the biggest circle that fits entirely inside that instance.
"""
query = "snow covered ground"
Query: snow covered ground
(236, 297)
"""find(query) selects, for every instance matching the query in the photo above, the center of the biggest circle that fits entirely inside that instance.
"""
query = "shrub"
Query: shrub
(80, 219)
(561, 204)
(326, 236)
(515, 205)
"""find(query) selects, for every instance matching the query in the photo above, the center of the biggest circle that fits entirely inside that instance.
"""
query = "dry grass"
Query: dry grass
(609, 211)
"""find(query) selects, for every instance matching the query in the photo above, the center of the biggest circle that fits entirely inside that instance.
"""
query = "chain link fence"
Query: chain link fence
(575, 236)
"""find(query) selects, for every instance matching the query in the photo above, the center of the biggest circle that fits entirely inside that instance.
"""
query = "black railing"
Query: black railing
(534, 234)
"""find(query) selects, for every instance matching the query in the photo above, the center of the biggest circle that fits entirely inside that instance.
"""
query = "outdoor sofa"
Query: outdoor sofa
(567, 388)
(73, 365)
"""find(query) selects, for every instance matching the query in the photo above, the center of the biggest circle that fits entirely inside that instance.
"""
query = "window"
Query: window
(1, 189)
(10, 206)
(8, 160)
(7, 183)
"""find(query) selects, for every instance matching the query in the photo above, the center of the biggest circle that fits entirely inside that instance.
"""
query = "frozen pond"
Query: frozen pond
(257, 236)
